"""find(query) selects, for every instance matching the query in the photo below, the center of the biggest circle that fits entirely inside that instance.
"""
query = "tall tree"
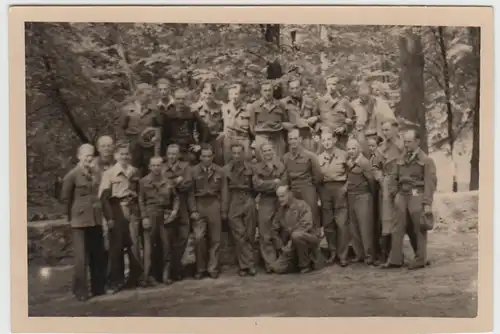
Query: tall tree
(412, 104)
(475, 36)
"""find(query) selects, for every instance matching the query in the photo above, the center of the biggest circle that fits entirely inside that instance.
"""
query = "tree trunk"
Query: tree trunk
(449, 109)
(274, 69)
(323, 33)
(475, 37)
(412, 107)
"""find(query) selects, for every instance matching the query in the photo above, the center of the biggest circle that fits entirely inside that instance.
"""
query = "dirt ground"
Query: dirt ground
(445, 289)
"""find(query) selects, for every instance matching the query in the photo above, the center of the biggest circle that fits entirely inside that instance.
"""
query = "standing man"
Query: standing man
(387, 156)
(371, 111)
(238, 207)
(359, 186)
(304, 175)
(118, 192)
(210, 111)
(178, 125)
(300, 108)
(208, 183)
(163, 93)
(269, 121)
(179, 174)
(159, 205)
(80, 196)
(333, 162)
(140, 128)
(293, 233)
(413, 182)
(269, 174)
(335, 112)
(236, 123)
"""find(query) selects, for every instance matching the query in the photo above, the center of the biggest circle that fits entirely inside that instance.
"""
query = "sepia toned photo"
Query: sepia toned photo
(253, 169)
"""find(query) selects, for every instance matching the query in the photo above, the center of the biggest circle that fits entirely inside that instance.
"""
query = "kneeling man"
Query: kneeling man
(293, 233)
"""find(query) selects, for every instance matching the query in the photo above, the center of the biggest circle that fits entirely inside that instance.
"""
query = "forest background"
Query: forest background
(77, 76)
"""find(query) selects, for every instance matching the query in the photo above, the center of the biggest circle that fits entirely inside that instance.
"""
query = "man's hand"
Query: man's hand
(427, 209)
(287, 247)
(179, 179)
(312, 120)
(195, 148)
(195, 216)
(277, 181)
(340, 130)
(146, 224)
(171, 217)
(110, 223)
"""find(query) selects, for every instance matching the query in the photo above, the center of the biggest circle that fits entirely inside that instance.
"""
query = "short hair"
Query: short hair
(378, 140)
(206, 147)
(235, 86)
(266, 144)
(266, 82)
(240, 145)
(179, 91)
(155, 158)
(294, 130)
(294, 80)
(283, 186)
(162, 81)
(122, 144)
(366, 84)
(208, 85)
(102, 138)
(174, 146)
(392, 121)
(353, 141)
(83, 147)
(416, 134)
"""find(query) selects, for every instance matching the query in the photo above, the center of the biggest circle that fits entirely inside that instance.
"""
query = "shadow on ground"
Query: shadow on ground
(446, 289)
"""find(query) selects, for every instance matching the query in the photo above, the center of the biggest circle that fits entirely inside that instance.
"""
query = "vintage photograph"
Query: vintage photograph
(252, 170)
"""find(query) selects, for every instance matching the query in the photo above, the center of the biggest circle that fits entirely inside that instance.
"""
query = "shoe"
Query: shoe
(330, 260)
(198, 276)
(242, 272)
(305, 270)
(214, 275)
(168, 281)
(390, 266)
(179, 278)
(369, 262)
(415, 266)
(82, 298)
(269, 271)
(251, 272)
(357, 260)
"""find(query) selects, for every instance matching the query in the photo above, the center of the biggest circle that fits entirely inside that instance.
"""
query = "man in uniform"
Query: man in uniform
(139, 116)
(293, 233)
(236, 123)
(269, 174)
(238, 207)
(360, 186)
(303, 174)
(205, 201)
(300, 108)
(269, 121)
(179, 174)
(163, 92)
(333, 162)
(335, 112)
(178, 126)
(386, 157)
(210, 111)
(118, 192)
(159, 205)
(80, 196)
(413, 182)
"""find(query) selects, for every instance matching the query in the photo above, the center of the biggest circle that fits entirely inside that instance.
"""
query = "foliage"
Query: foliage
(78, 74)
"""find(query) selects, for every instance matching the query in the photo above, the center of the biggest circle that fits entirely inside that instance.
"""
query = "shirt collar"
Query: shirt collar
(118, 169)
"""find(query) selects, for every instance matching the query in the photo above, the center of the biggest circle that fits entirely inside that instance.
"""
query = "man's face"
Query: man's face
(234, 94)
(331, 84)
(388, 130)
(163, 89)
(352, 149)
(267, 91)
(283, 196)
(105, 147)
(293, 139)
(180, 99)
(327, 140)
(155, 166)
(267, 152)
(172, 154)
(295, 89)
(122, 156)
(208, 95)
(410, 142)
(364, 92)
(237, 153)
(206, 157)
(372, 145)
(86, 156)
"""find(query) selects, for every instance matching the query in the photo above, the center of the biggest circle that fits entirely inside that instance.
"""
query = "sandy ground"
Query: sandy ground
(445, 289)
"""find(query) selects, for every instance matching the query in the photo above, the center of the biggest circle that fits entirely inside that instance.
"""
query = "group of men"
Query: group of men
(313, 167)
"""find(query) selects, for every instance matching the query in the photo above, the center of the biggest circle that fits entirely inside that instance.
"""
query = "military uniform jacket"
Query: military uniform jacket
(156, 196)
(296, 216)
(211, 113)
(360, 177)
(80, 195)
(267, 116)
(264, 176)
(302, 169)
(335, 113)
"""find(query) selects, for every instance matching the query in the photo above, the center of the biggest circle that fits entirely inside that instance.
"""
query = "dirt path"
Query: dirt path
(446, 289)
